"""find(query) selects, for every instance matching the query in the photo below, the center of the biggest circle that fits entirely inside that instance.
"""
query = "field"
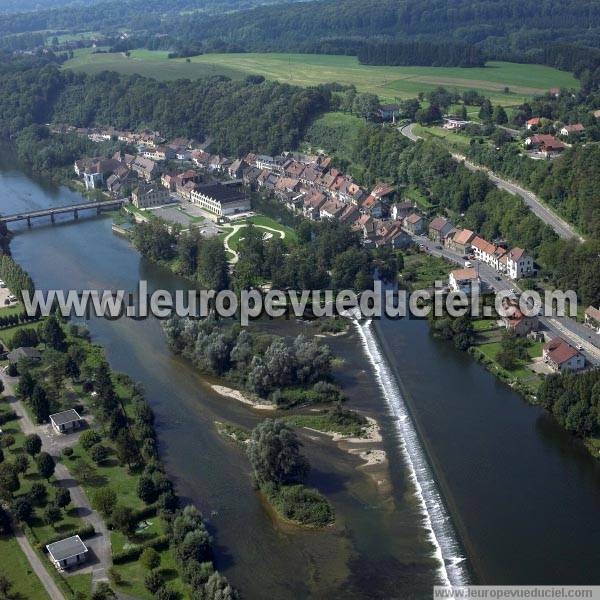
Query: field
(15, 566)
(389, 83)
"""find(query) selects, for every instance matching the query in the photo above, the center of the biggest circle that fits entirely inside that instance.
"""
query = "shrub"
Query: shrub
(153, 581)
(87, 531)
(98, 453)
(89, 438)
(150, 559)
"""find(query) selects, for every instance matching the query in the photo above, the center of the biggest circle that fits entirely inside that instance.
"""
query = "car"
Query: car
(515, 291)
(468, 264)
(498, 278)
(438, 247)
(579, 347)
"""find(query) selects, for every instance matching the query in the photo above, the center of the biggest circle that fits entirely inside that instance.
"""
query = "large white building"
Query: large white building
(221, 200)
(519, 264)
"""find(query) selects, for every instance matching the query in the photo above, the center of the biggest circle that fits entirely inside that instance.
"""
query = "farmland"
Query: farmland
(389, 83)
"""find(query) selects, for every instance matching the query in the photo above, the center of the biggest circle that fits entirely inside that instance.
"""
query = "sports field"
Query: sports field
(389, 83)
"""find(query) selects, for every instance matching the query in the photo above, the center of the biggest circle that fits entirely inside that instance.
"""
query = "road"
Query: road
(53, 443)
(559, 225)
(565, 327)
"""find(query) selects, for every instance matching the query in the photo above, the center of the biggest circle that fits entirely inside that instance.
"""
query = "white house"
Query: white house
(561, 356)
(66, 421)
(67, 553)
(519, 264)
(464, 280)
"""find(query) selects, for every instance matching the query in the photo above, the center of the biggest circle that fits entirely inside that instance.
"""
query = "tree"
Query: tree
(274, 453)
(9, 480)
(21, 463)
(5, 523)
(153, 581)
(8, 440)
(26, 386)
(104, 500)
(52, 334)
(165, 593)
(32, 444)
(6, 586)
(45, 465)
(89, 438)
(150, 559)
(52, 514)
(38, 492)
(103, 592)
(98, 453)
(146, 490)
(218, 588)
(486, 111)
(122, 519)
(366, 106)
(1, 455)
(63, 497)
(22, 509)
(40, 405)
(500, 116)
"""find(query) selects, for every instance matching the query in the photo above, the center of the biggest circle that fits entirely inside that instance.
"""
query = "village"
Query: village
(214, 191)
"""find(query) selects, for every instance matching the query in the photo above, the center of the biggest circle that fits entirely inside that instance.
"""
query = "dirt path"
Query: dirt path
(236, 228)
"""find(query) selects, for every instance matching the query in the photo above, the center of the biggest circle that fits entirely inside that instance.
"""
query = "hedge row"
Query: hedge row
(133, 552)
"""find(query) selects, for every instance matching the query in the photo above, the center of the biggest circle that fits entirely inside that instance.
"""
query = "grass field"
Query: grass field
(15, 566)
(311, 69)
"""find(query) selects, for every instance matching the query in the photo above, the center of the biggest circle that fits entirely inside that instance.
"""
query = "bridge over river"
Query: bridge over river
(98, 207)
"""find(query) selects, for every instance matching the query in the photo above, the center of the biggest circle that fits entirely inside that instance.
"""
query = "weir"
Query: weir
(437, 520)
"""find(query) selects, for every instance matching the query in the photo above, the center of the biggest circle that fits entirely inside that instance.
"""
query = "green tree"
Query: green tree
(22, 509)
(500, 116)
(45, 465)
(122, 519)
(52, 334)
(153, 581)
(40, 405)
(146, 490)
(104, 500)
(274, 453)
(89, 438)
(32, 444)
(9, 480)
(150, 559)
(98, 453)
(21, 463)
(63, 497)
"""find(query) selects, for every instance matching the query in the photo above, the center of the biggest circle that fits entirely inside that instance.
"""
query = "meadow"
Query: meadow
(389, 83)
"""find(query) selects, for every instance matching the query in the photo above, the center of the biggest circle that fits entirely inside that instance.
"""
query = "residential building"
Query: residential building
(237, 167)
(401, 210)
(546, 144)
(389, 112)
(534, 122)
(454, 124)
(519, 264)
(332, 209)
(464, 280)
(24, 352)
(519, 323)
(220, 200)
(592, 318)
(373, 206)
(160, 153)
(149, 196)
(575, 129)
(561, 356)
(439, 228)
(67, 553)
(66, 421)
(146, 168)
(414, 223)
(313, 204)
(461, 241)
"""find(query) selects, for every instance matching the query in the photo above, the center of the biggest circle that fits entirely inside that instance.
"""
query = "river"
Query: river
(522, 495)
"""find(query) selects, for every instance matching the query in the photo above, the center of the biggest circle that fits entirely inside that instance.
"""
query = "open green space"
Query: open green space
(456, 140)
(16, 568)
(388, 82)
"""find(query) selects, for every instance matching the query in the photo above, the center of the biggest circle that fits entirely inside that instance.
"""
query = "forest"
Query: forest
(239, 116)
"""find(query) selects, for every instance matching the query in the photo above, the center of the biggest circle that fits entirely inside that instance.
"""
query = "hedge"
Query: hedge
(161, 542)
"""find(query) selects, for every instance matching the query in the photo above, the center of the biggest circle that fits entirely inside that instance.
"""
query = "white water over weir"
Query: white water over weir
(452, 569)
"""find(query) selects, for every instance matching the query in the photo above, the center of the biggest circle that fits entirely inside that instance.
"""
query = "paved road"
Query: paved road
(53, 443)
(565, 327)
(560, 226)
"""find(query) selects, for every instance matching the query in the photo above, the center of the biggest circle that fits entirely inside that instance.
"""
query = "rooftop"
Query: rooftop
(221, 193)
(66, 416)
(66, 548)
(559, 351)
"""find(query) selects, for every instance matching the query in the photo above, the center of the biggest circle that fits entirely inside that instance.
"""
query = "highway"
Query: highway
(559, 225)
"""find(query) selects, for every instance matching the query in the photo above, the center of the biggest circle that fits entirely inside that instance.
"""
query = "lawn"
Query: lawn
(457, 140)
(335, 133)
(421, 271)
(15, 566)
(312, 69)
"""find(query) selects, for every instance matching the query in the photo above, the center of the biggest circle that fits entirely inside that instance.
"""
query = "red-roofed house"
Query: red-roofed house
(534, 122)
(464, 280)
(561, 356)
(461, 241)
(414, 223)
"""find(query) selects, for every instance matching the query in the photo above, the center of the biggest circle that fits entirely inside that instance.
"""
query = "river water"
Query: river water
(521, 498)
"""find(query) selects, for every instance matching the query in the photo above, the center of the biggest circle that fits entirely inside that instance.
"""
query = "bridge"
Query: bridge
(98, 207)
